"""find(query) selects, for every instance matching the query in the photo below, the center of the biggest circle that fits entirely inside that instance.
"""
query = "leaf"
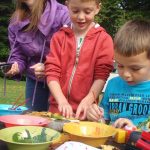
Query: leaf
(54, 136)
(22, 137)
(40, 138)
(57, 116)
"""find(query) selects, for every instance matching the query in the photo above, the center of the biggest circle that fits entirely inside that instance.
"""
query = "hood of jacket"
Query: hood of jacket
(96, 28)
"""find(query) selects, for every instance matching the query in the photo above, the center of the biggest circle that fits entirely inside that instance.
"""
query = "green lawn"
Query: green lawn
(13, 90)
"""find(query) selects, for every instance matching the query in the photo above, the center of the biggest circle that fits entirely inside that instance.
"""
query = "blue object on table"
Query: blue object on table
(5, 109)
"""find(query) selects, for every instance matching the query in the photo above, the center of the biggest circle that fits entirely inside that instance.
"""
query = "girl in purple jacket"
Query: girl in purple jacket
(32, 25)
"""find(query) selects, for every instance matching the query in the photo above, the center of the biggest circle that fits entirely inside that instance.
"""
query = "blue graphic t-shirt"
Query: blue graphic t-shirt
(122, 100)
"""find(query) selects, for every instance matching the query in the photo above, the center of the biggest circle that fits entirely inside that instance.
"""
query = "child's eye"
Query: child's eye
(119, 66)
(135, 69)
(87, 12)
(75, 11)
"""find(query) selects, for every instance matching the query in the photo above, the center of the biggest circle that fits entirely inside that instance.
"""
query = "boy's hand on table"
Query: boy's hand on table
(83, 108)
(122, 122)
(66, 109)
(81, 112)
(95, 113)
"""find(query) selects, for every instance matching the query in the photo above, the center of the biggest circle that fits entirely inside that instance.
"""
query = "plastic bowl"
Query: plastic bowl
(7, 135)
(23, 120)
(91, 133)
(5, 110)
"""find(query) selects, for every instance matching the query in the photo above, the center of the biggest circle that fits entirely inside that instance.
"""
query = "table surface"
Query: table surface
(3, 145)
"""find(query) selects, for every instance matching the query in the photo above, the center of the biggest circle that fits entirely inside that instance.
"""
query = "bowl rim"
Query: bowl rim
(87, 136)
(42, 121)
(24, 127)
(11, 110)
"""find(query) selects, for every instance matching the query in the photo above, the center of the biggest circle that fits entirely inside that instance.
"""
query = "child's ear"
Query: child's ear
(98, 8)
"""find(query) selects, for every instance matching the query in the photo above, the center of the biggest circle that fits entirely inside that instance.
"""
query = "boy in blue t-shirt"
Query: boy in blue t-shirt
(126, 100)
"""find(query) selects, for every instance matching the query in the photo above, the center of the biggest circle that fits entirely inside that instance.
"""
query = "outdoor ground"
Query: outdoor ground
(13, 90)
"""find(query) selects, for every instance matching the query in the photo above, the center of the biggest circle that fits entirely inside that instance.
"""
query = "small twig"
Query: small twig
(100, 119)
(17, 100)
(21, 104)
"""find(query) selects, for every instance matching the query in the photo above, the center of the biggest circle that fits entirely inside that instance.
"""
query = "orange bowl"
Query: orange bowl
(23, 120)
(91, 133)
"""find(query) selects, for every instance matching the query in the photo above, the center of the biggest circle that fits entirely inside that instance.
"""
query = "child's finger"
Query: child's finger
(63, 111)
(122, 122)
(38, 67)
(83, 115)
(92, 116)
(77, 113)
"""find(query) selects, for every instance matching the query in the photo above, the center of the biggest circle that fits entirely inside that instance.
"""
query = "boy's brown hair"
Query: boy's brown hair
(97, 1)
(133, 38)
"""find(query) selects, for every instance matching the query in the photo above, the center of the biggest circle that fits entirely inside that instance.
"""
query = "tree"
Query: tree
(5, 8)
(113, 14)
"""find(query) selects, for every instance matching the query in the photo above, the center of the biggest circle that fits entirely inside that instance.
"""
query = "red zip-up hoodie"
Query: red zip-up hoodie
(77, 74)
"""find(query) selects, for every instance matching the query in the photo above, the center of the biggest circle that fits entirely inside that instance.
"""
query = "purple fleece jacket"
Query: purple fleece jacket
(27, 47)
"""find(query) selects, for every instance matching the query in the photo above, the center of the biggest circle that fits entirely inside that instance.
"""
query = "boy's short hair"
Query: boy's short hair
(133, 38)
(97, 1)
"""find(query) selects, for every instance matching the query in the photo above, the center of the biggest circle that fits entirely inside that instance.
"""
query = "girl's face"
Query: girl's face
(82, 14)
(133, 69)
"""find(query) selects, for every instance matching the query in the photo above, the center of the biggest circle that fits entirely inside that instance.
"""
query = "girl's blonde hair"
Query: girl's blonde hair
(23, 12)
(133, 38)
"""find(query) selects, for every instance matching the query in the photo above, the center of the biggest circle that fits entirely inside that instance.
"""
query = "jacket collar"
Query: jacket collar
(96, 28)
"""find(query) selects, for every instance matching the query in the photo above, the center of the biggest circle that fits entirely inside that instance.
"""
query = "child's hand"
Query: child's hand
(122, 122)
(66, 110)
(83, 108)
(39, 70)
(95, 113)
(14, 70)
(81, 111)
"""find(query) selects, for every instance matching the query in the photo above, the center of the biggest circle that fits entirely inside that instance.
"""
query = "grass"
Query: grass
(13, 90)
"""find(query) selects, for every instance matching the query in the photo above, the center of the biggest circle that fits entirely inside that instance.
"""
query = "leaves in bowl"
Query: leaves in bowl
(57, 116)
(26, 137)
(22, 137)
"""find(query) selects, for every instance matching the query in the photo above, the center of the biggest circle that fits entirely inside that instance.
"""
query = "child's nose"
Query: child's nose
(126, 74)
(81, 16)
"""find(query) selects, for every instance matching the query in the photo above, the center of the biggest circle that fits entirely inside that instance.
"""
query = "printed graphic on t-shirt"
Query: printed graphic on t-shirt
(130, 106)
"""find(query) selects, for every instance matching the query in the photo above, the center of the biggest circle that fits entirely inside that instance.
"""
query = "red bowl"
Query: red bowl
(23, 120)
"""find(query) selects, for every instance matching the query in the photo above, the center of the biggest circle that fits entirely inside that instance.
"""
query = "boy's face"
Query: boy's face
(133, 69)
(82, 14)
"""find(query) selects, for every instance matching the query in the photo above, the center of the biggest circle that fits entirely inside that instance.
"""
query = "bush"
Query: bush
(5, 8)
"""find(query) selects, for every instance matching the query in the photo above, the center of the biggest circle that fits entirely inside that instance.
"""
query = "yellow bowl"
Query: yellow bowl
(91, 133)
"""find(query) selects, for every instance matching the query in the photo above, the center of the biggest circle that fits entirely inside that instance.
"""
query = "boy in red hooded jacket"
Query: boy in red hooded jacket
(79, 62)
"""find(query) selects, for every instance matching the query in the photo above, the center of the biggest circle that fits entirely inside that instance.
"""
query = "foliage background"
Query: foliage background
(113, 14)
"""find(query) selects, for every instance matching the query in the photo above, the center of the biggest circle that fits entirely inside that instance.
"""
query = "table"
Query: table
(3, 145)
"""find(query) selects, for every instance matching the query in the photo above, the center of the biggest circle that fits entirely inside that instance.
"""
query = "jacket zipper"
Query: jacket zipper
(75, 65)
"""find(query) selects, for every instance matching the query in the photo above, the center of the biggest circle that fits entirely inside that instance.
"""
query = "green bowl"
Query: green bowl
(9, 136)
